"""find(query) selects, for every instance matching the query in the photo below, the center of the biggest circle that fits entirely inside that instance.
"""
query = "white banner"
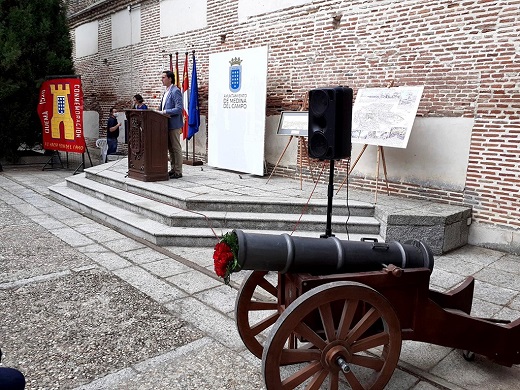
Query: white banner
(237, 101)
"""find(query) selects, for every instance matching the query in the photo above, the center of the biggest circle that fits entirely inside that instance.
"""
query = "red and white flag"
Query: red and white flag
(185, 98)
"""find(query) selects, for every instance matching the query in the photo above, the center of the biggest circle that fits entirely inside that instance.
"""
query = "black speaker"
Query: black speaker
(330, 123)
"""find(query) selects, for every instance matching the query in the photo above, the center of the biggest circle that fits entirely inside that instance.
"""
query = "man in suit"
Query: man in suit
(171, 104)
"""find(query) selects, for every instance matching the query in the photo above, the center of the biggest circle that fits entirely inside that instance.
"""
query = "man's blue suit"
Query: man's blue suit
(173, 107)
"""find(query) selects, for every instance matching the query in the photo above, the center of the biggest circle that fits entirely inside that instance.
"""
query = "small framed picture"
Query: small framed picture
(294, 123)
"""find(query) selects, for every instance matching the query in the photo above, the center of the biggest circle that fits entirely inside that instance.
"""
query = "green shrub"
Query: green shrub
(34, 43)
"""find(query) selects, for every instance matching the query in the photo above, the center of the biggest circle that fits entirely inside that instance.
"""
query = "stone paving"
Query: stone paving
(86, 307)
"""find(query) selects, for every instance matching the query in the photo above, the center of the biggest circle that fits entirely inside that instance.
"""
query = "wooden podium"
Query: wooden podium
(147, 145)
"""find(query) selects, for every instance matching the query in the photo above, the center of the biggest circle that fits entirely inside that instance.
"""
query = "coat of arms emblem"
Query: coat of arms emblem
(61, 104)
(235, 74)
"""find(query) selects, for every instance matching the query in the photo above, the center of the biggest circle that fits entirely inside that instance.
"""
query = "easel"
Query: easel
(302, 145)
(82, 165)
(51, 162)
(57, 154)
(380, 157)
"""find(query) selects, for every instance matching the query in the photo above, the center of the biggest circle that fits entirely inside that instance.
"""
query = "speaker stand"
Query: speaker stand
(330, 194)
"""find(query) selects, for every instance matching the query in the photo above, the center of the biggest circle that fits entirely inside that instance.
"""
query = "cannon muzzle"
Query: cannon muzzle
(325, 256)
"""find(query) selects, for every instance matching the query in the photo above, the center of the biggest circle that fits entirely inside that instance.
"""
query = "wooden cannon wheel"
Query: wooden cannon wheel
(256, 309)
(353, 319)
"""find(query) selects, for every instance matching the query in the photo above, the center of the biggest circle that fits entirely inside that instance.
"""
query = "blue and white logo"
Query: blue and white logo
(235, 74)
(61, 104)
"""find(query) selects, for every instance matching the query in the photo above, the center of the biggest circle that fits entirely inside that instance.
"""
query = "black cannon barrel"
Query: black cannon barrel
(325, 256)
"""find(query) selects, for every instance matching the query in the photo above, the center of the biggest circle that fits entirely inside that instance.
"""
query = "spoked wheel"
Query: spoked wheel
(349, 334)
(256, 309)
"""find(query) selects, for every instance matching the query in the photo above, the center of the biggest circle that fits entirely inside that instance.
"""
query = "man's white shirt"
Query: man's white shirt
(163, 100)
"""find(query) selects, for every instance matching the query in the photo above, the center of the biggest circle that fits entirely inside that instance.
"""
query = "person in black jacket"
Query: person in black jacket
(10, 378)
(112, 131)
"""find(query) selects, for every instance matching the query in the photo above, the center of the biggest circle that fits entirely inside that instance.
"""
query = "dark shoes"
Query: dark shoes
(174, 175)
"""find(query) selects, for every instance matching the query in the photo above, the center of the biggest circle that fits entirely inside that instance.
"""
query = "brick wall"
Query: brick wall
(465, 53)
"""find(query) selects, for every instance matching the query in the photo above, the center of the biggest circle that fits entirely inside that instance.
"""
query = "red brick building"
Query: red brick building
(466, 54)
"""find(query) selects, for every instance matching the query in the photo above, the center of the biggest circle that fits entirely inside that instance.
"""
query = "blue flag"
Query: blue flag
(193, 113)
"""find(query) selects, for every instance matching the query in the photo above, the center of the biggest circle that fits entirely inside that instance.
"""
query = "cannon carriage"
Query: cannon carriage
(338, 311)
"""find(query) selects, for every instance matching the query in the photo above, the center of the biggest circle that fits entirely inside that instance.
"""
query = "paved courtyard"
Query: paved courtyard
(86, 307)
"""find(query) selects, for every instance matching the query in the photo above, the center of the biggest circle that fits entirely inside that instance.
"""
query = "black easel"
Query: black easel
(57, 154)
(50, 161)
(330, 194)
(82, 165)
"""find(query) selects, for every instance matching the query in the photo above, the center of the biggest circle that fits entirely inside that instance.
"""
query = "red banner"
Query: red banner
(61, 112)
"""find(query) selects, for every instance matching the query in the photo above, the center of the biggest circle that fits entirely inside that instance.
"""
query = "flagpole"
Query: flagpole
(193, 136)
(177, 70)
(185, 97)
(186, 109)
(193, 114)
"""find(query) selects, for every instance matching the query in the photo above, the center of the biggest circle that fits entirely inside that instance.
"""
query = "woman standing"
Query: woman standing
(138, 103)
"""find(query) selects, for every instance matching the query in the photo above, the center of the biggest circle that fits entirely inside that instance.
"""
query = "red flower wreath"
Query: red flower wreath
(225, 256)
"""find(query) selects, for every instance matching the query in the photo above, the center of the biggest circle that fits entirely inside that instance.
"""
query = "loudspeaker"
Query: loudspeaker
(330, 123)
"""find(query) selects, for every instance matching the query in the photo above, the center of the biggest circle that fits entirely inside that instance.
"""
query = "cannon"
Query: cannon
(327, 313)
(285, 253)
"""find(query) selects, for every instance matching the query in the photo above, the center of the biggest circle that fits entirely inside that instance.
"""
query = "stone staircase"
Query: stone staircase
(193, 210)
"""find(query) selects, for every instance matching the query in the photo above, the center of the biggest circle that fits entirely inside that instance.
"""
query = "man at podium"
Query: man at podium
(171, 104)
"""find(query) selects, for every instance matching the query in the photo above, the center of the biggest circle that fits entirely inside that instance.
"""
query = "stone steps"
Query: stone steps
(184, 198)
(169, 216)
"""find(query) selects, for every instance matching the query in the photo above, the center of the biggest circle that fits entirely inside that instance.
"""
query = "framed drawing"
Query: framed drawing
(385, 116)
(294, 123)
